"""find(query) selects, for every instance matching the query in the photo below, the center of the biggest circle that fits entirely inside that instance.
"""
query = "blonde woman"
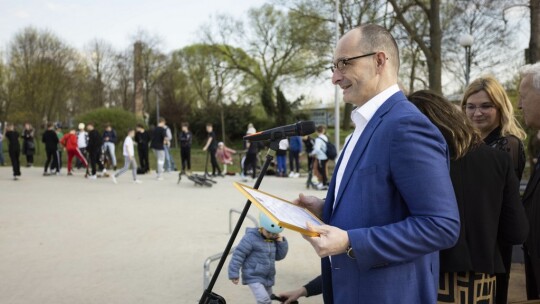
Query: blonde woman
(490, 111)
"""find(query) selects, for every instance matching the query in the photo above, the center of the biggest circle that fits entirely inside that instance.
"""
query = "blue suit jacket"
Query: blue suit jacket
(397, 204)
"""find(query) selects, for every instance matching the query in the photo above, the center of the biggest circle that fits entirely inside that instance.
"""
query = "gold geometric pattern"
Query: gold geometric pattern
(466, 288)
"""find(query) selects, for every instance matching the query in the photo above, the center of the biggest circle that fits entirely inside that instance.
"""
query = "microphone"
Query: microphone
(298, 129)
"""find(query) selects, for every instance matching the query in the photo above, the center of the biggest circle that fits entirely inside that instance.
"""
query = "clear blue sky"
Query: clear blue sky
(78, 22)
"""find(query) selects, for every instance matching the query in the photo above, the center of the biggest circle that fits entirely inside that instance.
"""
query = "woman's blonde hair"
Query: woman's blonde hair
(508, 122)
(456, 128)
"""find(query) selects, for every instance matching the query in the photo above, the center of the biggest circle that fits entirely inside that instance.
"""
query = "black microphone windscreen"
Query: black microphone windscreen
(306, 127)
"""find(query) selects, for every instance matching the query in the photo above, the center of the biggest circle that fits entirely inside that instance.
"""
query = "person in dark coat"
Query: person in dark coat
(529, 103)
(142, 138)
(491, 214)
(186, 139)
(14, 149)
(94, 148)
(29, 145)
(489, 109)
(50, 139)
(211, 148)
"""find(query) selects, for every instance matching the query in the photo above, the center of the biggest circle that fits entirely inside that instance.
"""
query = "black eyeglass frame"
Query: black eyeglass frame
(342, 63)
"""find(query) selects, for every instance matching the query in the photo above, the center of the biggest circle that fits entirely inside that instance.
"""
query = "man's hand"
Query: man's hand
(293, 295)
(331, 240)
(311, 203)
(235, 281)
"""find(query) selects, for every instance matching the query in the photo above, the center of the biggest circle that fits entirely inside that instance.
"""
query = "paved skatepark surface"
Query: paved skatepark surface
(66, 239)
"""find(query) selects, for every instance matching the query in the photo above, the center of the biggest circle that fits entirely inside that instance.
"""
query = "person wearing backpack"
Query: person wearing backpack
(319, 151)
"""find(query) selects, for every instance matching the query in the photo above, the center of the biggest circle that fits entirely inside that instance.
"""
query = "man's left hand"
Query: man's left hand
(331, 240)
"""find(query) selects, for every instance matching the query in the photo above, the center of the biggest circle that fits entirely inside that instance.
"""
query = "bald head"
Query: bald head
(366, 62)
(375, 38)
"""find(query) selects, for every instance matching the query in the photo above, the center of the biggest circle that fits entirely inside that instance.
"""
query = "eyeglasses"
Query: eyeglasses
(484, 108)
(342, 63)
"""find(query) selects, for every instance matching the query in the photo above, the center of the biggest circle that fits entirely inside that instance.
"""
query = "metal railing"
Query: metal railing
(207, 274)
(231, 211)
(206, 268)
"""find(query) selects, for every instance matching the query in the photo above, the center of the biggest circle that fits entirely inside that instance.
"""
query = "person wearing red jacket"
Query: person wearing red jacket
(69, 141)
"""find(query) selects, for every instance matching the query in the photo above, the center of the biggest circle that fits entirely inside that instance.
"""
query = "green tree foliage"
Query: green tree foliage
(280, 46)
(121, 120)
(41, 83)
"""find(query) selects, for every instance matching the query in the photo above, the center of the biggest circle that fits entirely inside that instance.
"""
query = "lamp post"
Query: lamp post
(466, 41)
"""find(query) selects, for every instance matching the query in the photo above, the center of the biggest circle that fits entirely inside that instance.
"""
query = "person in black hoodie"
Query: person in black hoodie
(185, 139)
(142, 138)
(50, 139)
(93, 148)
(14, 149)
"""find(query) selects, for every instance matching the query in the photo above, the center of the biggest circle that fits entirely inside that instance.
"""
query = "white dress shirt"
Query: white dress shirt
(361, 117)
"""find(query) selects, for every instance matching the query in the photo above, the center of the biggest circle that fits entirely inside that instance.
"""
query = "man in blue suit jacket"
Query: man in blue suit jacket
(390, 206)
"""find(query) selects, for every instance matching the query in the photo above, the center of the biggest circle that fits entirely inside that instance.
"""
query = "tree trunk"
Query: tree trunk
(435, 35)
(534, 42)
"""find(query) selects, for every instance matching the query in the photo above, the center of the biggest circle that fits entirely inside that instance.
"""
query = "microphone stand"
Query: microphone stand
(208, 297)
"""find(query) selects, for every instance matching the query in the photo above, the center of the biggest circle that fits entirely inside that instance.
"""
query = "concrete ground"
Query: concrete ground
(71, 240)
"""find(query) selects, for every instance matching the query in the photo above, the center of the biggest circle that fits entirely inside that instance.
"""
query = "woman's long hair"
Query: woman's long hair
(456, 128)
(508, 123)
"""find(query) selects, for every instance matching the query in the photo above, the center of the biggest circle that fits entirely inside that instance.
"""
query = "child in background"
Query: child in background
(256, 255)
(129, 159)
(224, 155)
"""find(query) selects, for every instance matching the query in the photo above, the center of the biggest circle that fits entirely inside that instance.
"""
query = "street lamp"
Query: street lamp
(466, 41)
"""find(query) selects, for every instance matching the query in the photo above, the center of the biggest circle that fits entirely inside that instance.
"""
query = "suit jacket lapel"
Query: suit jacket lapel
(362, 143)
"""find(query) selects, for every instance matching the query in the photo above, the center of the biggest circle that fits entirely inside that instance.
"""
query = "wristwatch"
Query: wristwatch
(350, 253)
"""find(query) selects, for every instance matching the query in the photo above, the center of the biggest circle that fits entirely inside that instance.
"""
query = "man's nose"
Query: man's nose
(336, 77)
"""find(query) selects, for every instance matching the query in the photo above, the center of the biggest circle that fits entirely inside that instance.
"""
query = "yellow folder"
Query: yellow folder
(282, 212)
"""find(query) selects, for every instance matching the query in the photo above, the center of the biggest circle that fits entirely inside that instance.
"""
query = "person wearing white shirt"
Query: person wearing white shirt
(319, 151)
(129, 159)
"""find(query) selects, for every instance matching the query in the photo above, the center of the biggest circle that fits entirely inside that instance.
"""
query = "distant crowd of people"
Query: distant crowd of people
(95, 152)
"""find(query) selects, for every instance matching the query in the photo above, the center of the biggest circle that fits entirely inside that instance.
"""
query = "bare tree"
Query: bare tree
(152, 62)
(102, 66)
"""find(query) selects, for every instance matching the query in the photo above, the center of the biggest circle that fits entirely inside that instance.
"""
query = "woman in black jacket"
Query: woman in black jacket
(490, 111)
(487, 192)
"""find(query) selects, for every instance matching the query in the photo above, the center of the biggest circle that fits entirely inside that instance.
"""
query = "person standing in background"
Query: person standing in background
(109, 141)
(93, 148)
(529, 103)
(308, 146)
(14, 149)
(142, 139)
(169, 161)
(82, 142)
(186, 138)
(295, 147)
(159, 138)
(211, 147)
(281, 158)
(321, 160)
(1, 146)
(50, 140)
(250, 160)
(29, 145)
(57, 165)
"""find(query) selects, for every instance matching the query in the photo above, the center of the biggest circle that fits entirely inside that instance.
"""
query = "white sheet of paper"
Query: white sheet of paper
(285, 211)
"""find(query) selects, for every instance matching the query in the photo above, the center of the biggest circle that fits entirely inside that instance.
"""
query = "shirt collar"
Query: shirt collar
(367, 110)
